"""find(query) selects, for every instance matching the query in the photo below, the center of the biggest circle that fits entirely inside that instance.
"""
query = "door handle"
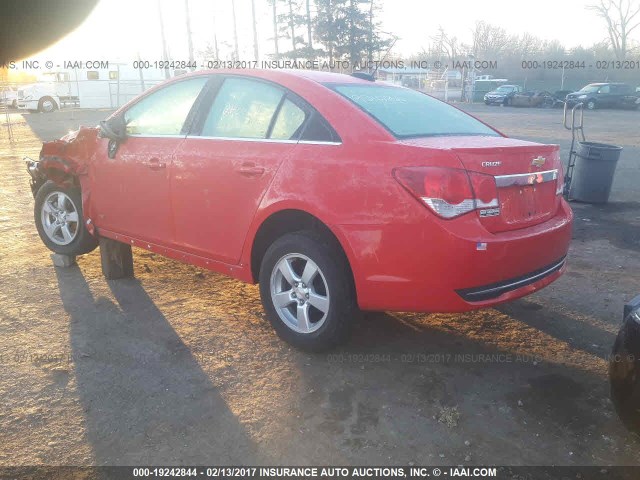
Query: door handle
(155, 164)
(250, 170)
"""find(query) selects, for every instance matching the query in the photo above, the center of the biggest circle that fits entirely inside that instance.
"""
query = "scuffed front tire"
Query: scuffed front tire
(59, 220)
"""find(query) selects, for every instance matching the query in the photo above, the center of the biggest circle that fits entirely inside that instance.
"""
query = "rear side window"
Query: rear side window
(407, 113)
(243, 109)
(288, 122)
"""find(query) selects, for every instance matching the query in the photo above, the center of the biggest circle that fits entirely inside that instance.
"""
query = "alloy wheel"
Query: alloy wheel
(60, 218)
(299, 293)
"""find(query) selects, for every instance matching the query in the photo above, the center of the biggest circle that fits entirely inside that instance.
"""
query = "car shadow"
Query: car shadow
(579, 334)
(620, 231)
(411, 373)
(145, 397)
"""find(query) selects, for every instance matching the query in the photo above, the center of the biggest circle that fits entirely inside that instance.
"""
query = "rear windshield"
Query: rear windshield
(407, 113)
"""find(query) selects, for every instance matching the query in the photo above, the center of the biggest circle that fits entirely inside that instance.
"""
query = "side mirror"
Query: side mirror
(114, 129)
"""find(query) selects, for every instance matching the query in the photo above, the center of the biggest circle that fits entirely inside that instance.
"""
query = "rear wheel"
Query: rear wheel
(307, 291)
(59, 220)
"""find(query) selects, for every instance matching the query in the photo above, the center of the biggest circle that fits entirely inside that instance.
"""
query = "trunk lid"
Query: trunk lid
(527, 177)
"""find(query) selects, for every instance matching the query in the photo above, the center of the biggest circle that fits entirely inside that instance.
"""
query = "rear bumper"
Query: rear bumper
(454, 266)
(495, 290)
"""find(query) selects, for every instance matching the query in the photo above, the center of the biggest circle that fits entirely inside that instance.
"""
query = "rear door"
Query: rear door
(606, 98)
(223, 168)
(131, 187)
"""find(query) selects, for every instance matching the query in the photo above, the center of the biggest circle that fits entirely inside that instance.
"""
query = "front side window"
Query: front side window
(604, 89)
(407, 113)
(244, 108)
(165, 111)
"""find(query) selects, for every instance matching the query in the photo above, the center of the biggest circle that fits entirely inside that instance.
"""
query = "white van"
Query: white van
(86, 88)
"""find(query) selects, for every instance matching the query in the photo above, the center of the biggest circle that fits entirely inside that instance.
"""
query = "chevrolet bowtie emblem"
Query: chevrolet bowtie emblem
(538, 161)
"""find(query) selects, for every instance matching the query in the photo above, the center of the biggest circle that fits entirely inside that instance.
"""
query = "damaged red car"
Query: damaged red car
(335, 193)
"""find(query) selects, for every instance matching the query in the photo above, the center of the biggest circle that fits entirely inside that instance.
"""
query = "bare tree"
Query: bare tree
(310, 41)
(446, 45)
(165, 55)
(621, 17)
(274, 9)
(189, 37)
(489, 41)
(255, 30)
(235, 31)
(292, 26)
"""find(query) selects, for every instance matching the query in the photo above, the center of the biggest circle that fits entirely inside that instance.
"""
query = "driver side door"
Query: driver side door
(131, 192)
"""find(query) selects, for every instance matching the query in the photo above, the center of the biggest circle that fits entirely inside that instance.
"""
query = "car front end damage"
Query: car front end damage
(64, 162)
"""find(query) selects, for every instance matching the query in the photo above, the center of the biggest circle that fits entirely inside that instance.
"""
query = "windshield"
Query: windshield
(504, 89)
(407, 113)
(590, 88)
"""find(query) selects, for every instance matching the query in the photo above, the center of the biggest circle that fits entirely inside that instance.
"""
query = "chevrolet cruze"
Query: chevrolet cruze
(334, 193)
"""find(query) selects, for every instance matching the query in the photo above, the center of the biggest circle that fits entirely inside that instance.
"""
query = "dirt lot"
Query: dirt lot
(178, 366)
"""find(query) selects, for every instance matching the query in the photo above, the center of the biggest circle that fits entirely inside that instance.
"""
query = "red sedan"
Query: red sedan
(333, 192)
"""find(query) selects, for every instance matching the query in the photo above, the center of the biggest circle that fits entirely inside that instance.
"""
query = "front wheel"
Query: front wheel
(59, 220)
(591, 105)
(307, 291)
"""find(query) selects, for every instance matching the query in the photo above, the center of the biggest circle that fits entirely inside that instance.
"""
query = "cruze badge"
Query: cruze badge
(491, 164)
(538, 161)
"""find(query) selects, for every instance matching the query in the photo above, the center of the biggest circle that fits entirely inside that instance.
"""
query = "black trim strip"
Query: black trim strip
(494, 290)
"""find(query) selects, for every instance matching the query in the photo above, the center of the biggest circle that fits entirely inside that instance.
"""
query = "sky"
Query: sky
(120, 30)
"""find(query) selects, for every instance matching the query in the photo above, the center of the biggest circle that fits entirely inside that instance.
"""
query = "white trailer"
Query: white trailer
(108, 87)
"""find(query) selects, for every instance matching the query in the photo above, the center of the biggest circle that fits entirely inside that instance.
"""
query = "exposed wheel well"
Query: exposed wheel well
(288, 221)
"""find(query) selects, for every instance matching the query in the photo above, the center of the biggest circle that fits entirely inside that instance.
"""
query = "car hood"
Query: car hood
(74, 150)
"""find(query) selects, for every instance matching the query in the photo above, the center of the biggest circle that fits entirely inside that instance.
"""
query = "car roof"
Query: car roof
(607, 83)
(281, 74)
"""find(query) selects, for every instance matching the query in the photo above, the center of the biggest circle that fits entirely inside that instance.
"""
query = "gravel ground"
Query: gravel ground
(179, 366)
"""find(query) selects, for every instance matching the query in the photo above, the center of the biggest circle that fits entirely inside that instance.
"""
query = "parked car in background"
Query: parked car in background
(502, 95)
(605, 95)
(332, 192)
(9, 96)
(624, 368)
(533, 99)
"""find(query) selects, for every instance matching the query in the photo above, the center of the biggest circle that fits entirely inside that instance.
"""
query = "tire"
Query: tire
(63, 233)
(311, 325)
(507, 102)
(47, 105)
(591, 105)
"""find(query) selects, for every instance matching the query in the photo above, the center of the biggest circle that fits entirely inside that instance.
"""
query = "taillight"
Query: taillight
(450, 192)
